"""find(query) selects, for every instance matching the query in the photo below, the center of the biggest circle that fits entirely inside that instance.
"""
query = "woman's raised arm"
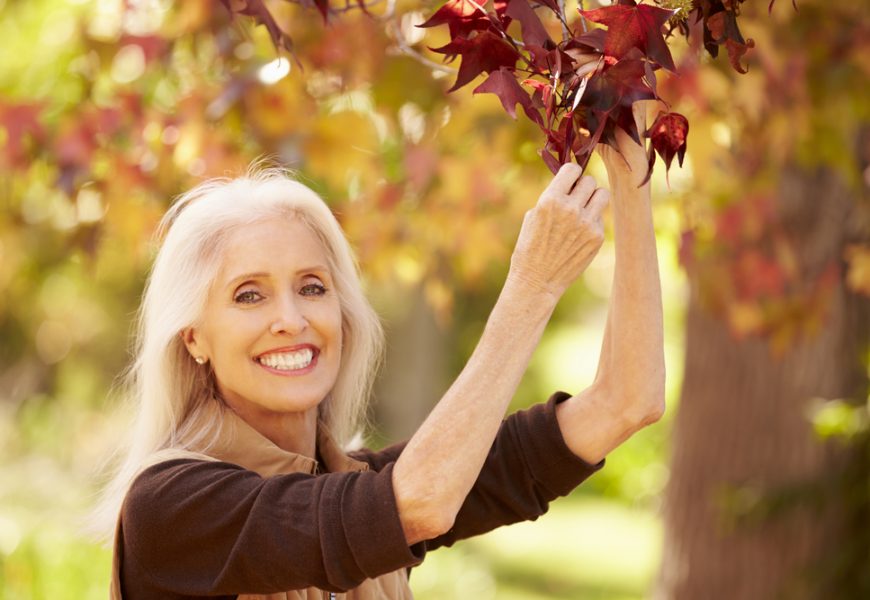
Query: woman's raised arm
(629, 389)
(559, 238)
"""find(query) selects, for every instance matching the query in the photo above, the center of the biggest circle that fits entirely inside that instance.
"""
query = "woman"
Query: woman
(256, 353)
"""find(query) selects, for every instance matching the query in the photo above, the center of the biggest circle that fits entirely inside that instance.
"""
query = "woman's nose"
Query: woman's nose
(290, 319)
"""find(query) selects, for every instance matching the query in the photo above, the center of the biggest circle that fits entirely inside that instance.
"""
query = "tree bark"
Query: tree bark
(742, 428)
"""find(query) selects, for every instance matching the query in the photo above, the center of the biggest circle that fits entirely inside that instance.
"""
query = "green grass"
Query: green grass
(583, 548)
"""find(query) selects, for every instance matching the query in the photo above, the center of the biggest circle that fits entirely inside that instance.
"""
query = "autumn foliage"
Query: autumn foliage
(579, 88)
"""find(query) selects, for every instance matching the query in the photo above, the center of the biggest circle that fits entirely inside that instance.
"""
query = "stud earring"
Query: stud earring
(200, 360)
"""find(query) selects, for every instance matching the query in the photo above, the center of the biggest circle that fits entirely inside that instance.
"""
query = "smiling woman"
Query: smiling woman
(271, 329)
(255, 357)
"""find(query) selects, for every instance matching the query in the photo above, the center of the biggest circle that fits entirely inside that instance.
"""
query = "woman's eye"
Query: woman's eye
(313, 289)
(248, 297)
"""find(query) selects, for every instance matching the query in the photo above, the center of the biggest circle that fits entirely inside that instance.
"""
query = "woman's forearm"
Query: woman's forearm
(632, 359)
(441, 462)
(628, 391)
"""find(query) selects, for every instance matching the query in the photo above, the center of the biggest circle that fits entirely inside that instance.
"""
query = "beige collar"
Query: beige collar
(241, 444)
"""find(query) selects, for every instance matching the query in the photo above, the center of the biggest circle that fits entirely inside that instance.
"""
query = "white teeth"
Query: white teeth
(288, 361)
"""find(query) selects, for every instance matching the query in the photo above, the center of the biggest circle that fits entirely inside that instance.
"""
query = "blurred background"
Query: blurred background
(756, 484)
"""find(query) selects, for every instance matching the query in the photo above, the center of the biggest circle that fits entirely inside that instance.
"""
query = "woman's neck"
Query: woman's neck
(293, 432)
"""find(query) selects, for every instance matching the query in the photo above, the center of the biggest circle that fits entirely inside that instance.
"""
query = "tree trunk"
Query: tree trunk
(742, 428)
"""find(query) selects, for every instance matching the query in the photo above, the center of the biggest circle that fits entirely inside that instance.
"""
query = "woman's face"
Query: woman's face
(272, 322)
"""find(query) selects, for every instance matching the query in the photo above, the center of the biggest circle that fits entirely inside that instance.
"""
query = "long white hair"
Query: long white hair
(174, 398)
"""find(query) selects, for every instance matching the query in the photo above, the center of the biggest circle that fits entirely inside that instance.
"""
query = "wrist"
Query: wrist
(626, 182)
(536, 292)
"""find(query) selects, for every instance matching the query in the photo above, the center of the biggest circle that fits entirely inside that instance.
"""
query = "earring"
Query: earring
(200, 360)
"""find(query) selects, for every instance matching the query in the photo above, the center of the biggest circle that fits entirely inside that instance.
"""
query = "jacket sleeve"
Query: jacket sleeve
(193, 527)
(528, 466)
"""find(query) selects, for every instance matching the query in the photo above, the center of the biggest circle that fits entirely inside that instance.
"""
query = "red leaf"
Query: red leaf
(503, 84)
(261, 14)
(551, 161)
(323, 7)
(594, 38)
(23, 132)
(532, 29)
(631, 25)
(484, 52)
(757, 275)
(668, 134)
(721, 28)
(736, 51)
(621, 84)
(461, 17)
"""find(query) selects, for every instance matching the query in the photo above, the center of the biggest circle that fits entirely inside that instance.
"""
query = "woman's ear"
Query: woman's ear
(191, 341)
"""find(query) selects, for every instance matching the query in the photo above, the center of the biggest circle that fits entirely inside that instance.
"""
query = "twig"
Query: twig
(406, 49)
(582, 18)
(564, 20)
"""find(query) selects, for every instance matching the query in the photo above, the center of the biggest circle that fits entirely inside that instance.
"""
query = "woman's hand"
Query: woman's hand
(562, 234)
(628, 163)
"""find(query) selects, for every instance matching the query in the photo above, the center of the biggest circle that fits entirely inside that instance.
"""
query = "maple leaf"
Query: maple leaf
(594, 38)
(504, 85)
(736, 51)
(668, 135)
(623, 83)
(461, 17)
(631, 25)
(533, 31)
(261, 14)
(484, 52)
(551, 161)
(721, 28)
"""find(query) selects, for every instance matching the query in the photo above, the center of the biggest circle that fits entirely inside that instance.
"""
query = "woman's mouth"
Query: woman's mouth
(289, 361)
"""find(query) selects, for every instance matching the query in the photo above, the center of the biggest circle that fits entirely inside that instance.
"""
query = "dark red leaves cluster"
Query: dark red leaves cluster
(578, 90)
(719, 18)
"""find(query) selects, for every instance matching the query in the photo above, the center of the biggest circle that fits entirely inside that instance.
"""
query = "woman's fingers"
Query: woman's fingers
(564, 180)
(562, 233)
(570, 186)
(583, 190)
(598, 201)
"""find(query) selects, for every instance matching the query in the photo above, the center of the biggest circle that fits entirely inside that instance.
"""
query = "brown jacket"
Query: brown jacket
(251, 517)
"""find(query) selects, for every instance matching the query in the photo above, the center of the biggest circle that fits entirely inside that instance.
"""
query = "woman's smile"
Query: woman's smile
(292, 361)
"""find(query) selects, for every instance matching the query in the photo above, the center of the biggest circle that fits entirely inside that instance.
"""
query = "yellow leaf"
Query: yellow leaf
(858, 276)
(745, 318)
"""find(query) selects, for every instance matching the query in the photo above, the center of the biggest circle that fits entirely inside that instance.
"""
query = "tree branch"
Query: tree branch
(396, 30)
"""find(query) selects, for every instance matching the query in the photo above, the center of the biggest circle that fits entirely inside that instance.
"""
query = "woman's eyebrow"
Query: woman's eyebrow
(315, 269)
(256, 275)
